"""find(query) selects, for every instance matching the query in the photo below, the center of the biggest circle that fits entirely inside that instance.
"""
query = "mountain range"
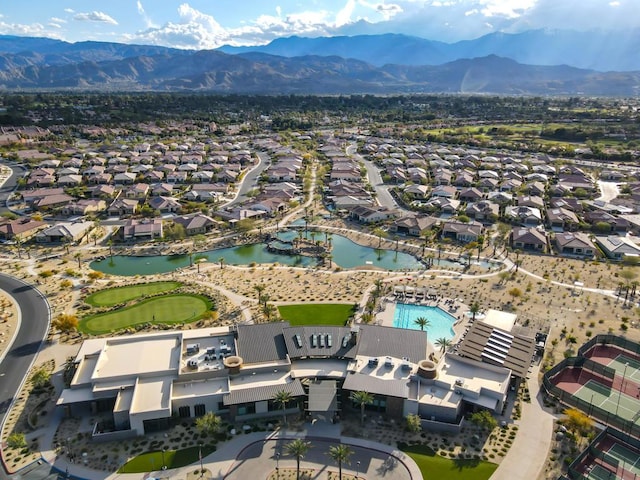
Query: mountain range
(601, 51)
(378, 64)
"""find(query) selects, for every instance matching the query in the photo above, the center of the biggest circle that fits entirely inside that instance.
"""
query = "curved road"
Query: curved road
(10, 184)
(34, 324)
(250, 181)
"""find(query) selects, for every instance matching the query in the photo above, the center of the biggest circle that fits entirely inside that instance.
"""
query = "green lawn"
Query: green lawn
(114, 296)
(435, 466)
(316, 314)
(166, 309)
(151, 461)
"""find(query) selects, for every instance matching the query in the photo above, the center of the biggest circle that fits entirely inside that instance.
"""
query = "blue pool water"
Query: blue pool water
(441, 322)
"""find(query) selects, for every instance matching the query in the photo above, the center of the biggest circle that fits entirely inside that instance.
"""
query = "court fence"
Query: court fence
(596, 452)
(627, 427)
(607, 339)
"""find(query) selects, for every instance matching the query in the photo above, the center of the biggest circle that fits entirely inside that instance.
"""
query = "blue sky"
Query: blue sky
(211, 23)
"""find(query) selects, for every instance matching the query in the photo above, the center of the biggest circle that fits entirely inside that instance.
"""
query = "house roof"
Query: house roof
(262, 343)
(376, 341)
(264, 392)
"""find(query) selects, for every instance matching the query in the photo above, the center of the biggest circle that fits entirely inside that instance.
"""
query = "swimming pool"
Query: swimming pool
(441, 322)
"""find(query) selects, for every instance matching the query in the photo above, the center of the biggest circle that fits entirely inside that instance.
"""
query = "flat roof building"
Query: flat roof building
(145, 380)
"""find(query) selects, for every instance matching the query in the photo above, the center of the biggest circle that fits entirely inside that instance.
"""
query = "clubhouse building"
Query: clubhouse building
(138, 383)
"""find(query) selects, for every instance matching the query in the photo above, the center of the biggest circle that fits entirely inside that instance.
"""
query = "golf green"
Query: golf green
(166, 310)
(150, 461)
(316, 313)
(114, 296)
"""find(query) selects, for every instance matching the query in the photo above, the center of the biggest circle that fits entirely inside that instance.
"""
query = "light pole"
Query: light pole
(277, 465)
(164, 467)
(624, 375)
(201, 466)
(357, 469)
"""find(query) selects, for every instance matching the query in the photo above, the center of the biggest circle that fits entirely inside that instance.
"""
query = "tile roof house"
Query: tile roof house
(140, 230)
(195, 224)
(528, 239)
(618, 248)
(461, 231)
(414, 225)
(574, 243)
(560, 219)
(20, 229)
(527, 216)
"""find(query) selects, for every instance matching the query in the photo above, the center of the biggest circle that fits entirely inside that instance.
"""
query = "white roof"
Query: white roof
(502, 320)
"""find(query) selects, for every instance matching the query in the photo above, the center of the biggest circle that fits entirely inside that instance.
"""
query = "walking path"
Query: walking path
(528, 454)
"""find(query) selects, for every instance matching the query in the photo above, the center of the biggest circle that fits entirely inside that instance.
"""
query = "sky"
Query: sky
(207, 24)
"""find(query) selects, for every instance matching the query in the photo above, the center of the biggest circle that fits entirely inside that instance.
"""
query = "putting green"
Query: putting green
(166, 310)
(114, 296)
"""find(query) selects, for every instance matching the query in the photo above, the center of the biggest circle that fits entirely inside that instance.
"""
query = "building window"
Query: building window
(247, 409)
(184, 412)
(199, 410)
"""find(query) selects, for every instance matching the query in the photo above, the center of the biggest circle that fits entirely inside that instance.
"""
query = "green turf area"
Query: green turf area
(166, 309)
(316, 314)
(435, 466)
(150, 461)
(114, 296)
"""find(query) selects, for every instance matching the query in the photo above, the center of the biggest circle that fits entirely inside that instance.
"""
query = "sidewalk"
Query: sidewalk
(528, 455)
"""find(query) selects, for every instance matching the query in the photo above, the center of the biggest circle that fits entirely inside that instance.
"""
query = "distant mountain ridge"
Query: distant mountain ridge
(43, 64)
(611, 51)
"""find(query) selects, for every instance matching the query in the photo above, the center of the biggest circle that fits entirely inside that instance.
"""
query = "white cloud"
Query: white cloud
(614, 4)
(69, 10)
(344, 15)
(30, 30)
(147, 20)
(95, 17)
(54, 25)
(57, 20)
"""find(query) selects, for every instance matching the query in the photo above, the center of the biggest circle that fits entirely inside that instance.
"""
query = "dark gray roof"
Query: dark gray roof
(355, 382)
(323, 396)
(259, 394)
(485, 343)
(306, 348)
(262, 342)
(376, 341)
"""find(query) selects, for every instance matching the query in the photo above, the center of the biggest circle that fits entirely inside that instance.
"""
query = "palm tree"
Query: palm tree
(340, 454)
(282, 398)
(474, 309)
(77, 256)
(297, 448)
(380, 233)
(221, 260)
(422, 322)
(443, 343)
(361, 398)
(259, 289)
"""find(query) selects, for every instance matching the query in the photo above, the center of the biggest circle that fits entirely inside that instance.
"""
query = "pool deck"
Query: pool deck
(457, 310)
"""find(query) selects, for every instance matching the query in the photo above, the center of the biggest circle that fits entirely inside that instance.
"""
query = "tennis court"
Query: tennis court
(609, 399)
(632, 366)
(624, 458)
(596, 472)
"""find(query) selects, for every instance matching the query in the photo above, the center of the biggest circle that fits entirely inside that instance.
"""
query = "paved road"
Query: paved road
(383, 196)
(610, 190)
(34, 324)
(250, 181)
(10, 184)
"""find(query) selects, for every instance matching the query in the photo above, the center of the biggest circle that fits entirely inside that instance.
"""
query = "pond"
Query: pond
(346, 254)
